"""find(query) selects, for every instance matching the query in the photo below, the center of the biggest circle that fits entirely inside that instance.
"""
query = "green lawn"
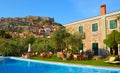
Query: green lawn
(79, 62)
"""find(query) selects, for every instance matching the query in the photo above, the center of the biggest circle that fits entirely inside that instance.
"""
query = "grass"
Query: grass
(79, 62)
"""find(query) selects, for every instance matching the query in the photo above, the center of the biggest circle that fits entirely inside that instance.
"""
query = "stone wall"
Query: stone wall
(91, 37)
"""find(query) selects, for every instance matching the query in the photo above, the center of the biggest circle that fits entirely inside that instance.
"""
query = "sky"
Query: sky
(63, 11)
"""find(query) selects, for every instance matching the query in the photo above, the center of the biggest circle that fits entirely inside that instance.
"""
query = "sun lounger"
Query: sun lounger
(115, 62)
(111, 59)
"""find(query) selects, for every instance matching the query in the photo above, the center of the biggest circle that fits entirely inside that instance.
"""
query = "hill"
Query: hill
(34, 25)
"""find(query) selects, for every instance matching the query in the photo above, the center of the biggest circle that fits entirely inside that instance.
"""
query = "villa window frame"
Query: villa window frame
(82, 29)
(98, 46)
(97, 26)
(114, 27)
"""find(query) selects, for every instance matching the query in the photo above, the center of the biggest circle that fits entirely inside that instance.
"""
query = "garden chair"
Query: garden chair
(111, 59)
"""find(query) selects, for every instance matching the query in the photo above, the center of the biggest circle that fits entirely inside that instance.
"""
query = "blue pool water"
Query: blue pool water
(17, 65)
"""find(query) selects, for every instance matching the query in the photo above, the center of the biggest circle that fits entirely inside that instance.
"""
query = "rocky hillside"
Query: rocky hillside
(35, 25)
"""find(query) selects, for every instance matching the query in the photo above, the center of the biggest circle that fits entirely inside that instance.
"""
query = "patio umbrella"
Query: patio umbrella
(29, 48)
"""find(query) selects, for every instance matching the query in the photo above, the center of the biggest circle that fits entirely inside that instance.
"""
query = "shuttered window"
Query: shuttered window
(80, 29)
(113, 24)
(94, 27)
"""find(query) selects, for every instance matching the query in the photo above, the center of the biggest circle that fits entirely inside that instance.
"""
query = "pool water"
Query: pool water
(17, 65)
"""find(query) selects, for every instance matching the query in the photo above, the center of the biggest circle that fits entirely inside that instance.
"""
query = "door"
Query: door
(95, 48)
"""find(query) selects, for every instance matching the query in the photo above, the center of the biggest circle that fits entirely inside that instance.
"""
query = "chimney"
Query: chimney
(103, 9)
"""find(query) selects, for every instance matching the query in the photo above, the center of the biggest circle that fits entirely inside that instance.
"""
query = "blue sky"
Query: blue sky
(63, 11)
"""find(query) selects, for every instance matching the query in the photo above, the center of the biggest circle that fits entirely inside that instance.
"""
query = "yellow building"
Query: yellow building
(96, 29)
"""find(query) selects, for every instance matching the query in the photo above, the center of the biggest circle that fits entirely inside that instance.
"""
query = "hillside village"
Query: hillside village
(34, 25)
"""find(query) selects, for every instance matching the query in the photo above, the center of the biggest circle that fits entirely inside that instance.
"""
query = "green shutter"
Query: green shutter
(95, 48)
(113, 24)
(94, 27)
(82, 46)
(80, 29)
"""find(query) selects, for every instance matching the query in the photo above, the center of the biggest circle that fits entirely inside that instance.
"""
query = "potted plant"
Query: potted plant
(42, 55)
(49, 54)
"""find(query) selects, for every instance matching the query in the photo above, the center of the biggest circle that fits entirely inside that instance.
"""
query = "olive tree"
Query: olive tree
(112, 41)
(74, 43)
(59, 39)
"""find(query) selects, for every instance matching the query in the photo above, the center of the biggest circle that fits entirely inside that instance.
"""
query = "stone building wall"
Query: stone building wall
(100, 35)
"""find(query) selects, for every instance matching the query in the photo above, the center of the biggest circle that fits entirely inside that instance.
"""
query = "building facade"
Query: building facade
(96, 29)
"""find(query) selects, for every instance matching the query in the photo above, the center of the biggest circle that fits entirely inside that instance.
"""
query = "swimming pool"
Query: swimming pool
(18, 65)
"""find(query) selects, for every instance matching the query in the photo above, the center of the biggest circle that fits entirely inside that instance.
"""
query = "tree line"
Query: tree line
(60, 40)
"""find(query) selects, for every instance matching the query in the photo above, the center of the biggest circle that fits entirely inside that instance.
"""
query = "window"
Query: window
(80, 29)
(113, 24)
(94, 27)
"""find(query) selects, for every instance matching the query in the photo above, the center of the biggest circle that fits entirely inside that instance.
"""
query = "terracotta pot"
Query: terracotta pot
(42, 55)
(69, 56)
(49, 54)
(60, 54)
(82, 57)
(75, 57)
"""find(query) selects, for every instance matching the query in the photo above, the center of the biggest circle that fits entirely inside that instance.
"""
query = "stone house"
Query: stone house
(96, 29)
